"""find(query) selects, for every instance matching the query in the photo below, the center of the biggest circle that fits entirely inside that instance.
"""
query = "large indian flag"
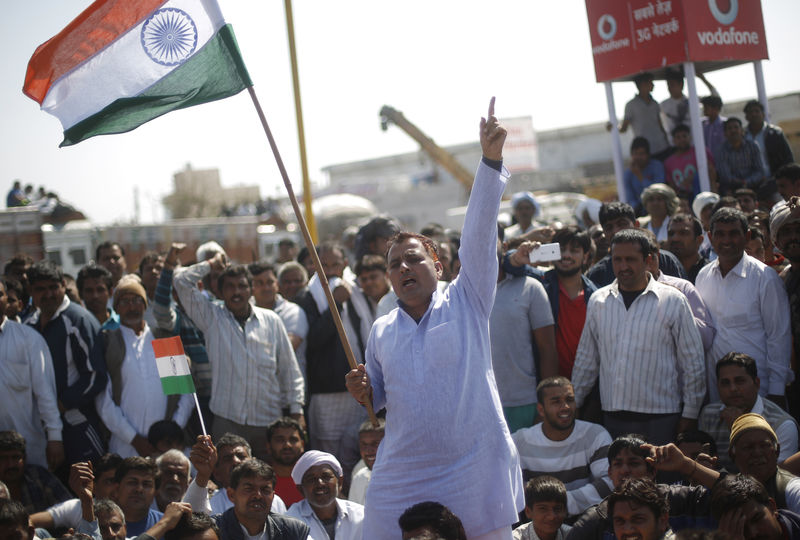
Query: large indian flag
(122, 63)
(173, 366)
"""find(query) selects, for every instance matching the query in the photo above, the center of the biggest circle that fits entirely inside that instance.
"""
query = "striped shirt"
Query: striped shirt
(742, 164)
(254, 373)
(580, 461)
(649, 358)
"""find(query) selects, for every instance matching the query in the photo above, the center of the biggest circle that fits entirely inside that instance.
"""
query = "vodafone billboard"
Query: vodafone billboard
(629, 37)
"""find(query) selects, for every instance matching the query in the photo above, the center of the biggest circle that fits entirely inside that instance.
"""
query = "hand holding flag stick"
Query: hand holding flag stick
(173, 369)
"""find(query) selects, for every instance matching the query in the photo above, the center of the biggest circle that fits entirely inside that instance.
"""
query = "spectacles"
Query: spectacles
(132, 301)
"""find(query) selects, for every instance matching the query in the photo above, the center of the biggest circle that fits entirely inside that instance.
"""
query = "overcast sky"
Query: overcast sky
(437, 61)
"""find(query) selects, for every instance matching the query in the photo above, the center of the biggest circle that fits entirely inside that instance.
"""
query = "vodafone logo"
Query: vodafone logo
(724, 16)
(607, 26)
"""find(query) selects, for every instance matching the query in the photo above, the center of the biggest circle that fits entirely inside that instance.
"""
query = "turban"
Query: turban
(311, 459)
(702, 200)
(520, 196)
(781, 214)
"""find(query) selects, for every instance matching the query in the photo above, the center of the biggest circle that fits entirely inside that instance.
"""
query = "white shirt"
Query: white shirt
(446, 439)
(649, 358)
(142, 402)
(254, 371)
(358, 485)
(751, 311)
(219, 502)
(349, 520)
(28, 403)
(661, 233)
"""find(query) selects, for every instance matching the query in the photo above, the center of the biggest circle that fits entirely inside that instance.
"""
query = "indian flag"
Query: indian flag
(122, 63)
(173, 366)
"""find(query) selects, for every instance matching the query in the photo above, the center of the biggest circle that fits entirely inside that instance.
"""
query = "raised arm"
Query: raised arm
(478, 253)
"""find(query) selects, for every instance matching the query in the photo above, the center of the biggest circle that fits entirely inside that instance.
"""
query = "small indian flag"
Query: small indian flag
(122, 63)
(173, 367)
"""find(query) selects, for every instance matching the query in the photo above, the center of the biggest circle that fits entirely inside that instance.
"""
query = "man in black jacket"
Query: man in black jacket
(775, 149)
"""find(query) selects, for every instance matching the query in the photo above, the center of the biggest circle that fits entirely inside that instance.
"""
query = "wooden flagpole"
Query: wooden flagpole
(310, 245)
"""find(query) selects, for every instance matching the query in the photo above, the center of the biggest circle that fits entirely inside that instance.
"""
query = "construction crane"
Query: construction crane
(436, 152)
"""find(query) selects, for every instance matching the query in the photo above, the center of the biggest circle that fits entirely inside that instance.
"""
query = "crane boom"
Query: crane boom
(436, 152)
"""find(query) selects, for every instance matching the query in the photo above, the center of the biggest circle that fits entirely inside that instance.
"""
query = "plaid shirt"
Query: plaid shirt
(41, 490)
(743, 164)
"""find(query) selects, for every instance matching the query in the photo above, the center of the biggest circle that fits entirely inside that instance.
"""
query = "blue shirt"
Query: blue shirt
(135, 528)
(653, 173)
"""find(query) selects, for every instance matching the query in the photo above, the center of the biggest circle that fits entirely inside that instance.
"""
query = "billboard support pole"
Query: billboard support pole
(616, 143)
(697, 128)
(762, 89)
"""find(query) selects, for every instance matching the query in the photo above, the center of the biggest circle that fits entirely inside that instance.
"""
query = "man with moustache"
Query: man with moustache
(286, 443)
(684, 237)
(254, 372)
(318, 476)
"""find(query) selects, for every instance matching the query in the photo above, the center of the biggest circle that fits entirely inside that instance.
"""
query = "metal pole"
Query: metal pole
(298, 109)
(762, 89)
(697, 128)
(616, 143)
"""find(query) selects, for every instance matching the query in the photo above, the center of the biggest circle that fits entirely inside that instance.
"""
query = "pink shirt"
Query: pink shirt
(681, 171)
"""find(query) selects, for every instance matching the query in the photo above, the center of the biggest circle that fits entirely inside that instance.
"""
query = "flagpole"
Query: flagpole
(310, 245)
(200, 414)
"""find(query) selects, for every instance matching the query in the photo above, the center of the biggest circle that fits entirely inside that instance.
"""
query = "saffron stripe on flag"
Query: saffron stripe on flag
(93, 30)
(215, 72)
(177, 385)
(168, 346)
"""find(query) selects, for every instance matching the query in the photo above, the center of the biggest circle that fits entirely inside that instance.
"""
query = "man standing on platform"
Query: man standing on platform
(445, 439)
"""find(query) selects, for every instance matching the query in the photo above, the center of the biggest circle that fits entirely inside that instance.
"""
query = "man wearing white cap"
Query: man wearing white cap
(703, 206)
(526, 208)
(319, 477)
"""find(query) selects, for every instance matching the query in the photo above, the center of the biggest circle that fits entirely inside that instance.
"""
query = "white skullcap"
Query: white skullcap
(311, 459)
(702, 200)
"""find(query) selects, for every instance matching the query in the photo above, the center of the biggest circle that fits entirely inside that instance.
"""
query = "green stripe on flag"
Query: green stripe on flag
(215, 72)
(177, 385)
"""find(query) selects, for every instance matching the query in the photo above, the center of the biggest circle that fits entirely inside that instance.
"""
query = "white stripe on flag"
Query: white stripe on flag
(122, 69)
(172, 366)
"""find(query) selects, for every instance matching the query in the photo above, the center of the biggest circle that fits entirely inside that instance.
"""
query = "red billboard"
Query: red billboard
(725, 30)
(629, 37)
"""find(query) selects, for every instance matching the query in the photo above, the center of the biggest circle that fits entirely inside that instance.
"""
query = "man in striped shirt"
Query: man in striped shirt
(571, 450)
(641, 341)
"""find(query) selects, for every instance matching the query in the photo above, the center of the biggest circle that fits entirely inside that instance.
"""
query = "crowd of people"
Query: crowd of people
(638, 385)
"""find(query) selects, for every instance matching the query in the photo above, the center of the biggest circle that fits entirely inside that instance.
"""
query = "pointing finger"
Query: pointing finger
(491, 107)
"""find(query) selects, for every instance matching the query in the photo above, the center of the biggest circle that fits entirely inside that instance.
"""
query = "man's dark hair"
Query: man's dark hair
(432, 230)
(745, 192)
(697, 436)
(756, 234)
(259, 267)
(643, 492)
(94, 271)
(136, 463)
(165, 430)
(614, 210)
(383, 226)
(680, 128)
(728, 215)
(287, 242)
(752, 103)
(11, 440)
(45, 271)
(738, 359)
(107, 245)
(572, 235)
(285, 422)
(732, 491)
(712, 101)
(732, 120)
(434, 515)
(545, 489)
(726, 201)
(674, 75)
(633, 236)
(252, 468)
(640, 142)
(686, 218)
(151, 257)
(191, 525)
(107, 462)
(233, 440)
(642, 78)
(12, 513)
(402, 236)
(14, 285)
(20, 259)
(790, 171)
(235, 271)
(369, 263)
(332, 247)
(550, 382)
(632, 442)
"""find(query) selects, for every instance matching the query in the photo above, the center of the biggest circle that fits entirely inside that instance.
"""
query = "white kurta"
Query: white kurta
(446, 439)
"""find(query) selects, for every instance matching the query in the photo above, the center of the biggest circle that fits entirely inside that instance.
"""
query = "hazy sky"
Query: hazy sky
(437, 61)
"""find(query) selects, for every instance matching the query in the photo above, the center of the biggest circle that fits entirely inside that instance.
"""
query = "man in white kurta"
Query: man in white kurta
(429, 364)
